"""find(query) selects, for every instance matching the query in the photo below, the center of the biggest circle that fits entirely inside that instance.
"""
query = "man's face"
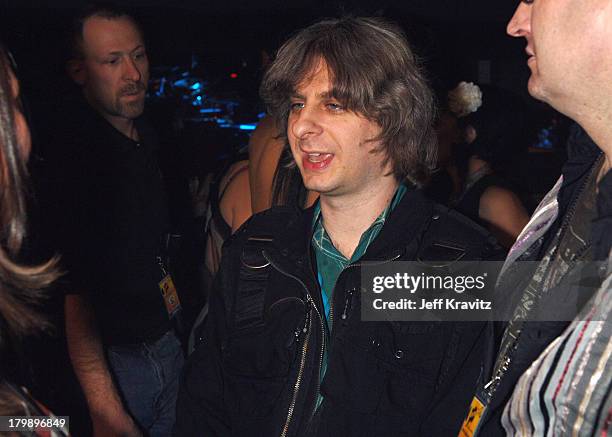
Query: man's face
(330, 144)
(115, 68)
(564, 42)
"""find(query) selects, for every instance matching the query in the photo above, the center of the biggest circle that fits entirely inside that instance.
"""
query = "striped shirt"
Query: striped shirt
(567, 390)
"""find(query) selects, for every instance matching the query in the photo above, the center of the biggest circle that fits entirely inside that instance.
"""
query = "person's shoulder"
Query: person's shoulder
(273, 220)
(451, 229)
(264, 226)
(265, 136)
(498, 199)
(260, 232)
(447, 218)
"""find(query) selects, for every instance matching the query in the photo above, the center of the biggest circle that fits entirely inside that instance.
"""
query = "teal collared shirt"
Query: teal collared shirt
(330, 262)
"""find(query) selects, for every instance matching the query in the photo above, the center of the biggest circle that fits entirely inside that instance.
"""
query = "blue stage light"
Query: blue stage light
(210, 110)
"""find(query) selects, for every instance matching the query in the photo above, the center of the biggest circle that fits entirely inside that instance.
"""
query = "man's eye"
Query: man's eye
(112, 61)
(140, 55)
(335, 107)
(296, 106)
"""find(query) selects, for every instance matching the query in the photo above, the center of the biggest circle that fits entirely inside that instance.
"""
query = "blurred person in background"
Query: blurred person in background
(109, 218)
(445, 181)
(493, 127)
(230, 207)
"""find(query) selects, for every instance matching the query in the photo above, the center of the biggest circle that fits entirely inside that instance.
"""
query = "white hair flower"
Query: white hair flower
(464, 99)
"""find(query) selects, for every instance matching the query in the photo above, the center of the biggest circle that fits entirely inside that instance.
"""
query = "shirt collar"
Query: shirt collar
(322, 242)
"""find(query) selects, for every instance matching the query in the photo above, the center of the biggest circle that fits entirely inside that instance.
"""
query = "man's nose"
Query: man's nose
(131, 71)
(520, 23)
(305, 123)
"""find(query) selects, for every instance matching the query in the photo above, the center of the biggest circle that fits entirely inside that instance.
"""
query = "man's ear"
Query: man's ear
(76, 70)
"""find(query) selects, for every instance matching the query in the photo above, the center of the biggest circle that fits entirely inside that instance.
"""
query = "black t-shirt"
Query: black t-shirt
(109, 216)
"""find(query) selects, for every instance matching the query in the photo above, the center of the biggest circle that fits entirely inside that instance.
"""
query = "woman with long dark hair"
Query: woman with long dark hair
(21, 286)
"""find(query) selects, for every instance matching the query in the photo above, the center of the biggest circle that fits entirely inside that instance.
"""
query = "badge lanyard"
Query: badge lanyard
(168, 291)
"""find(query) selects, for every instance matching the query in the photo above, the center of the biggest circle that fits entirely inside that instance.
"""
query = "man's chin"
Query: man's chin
(534, 87)
(132, 109)
(316, 187)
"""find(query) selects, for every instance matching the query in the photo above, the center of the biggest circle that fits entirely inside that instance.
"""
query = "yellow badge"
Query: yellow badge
(171, 299)
(473, 418)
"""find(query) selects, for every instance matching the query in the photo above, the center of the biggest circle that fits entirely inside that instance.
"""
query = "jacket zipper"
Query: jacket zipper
(331, 323)
(358, 264)
(298, 381)
(309, 299)
(347, 303)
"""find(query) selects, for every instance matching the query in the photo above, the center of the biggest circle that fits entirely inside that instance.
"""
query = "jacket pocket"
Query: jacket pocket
(411, 354)
(386, 369)
(258, 361)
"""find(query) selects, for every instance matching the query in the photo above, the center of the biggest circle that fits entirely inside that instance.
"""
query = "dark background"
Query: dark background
(454, 37)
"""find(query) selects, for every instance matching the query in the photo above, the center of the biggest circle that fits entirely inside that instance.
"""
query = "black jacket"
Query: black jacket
(536, 336)
(256, 373)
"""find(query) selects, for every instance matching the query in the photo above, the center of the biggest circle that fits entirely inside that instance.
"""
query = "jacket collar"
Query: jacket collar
(402, 228)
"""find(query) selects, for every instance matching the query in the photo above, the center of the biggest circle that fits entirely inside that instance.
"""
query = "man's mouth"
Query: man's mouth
(316, 160)
(134, 90)
(530, 60)
(318, 157)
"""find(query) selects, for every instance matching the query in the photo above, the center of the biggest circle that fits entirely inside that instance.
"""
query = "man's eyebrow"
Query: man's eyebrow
(114, 53)
(120, 52)
(329, 94)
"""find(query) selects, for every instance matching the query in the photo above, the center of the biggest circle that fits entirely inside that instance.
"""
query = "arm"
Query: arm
(85, 348)
(264, 152)
(504, 212)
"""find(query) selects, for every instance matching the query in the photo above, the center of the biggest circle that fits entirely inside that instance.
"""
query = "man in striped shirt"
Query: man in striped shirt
(566, 390)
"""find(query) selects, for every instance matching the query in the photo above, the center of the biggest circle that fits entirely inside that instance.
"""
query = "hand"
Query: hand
(118, 426)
